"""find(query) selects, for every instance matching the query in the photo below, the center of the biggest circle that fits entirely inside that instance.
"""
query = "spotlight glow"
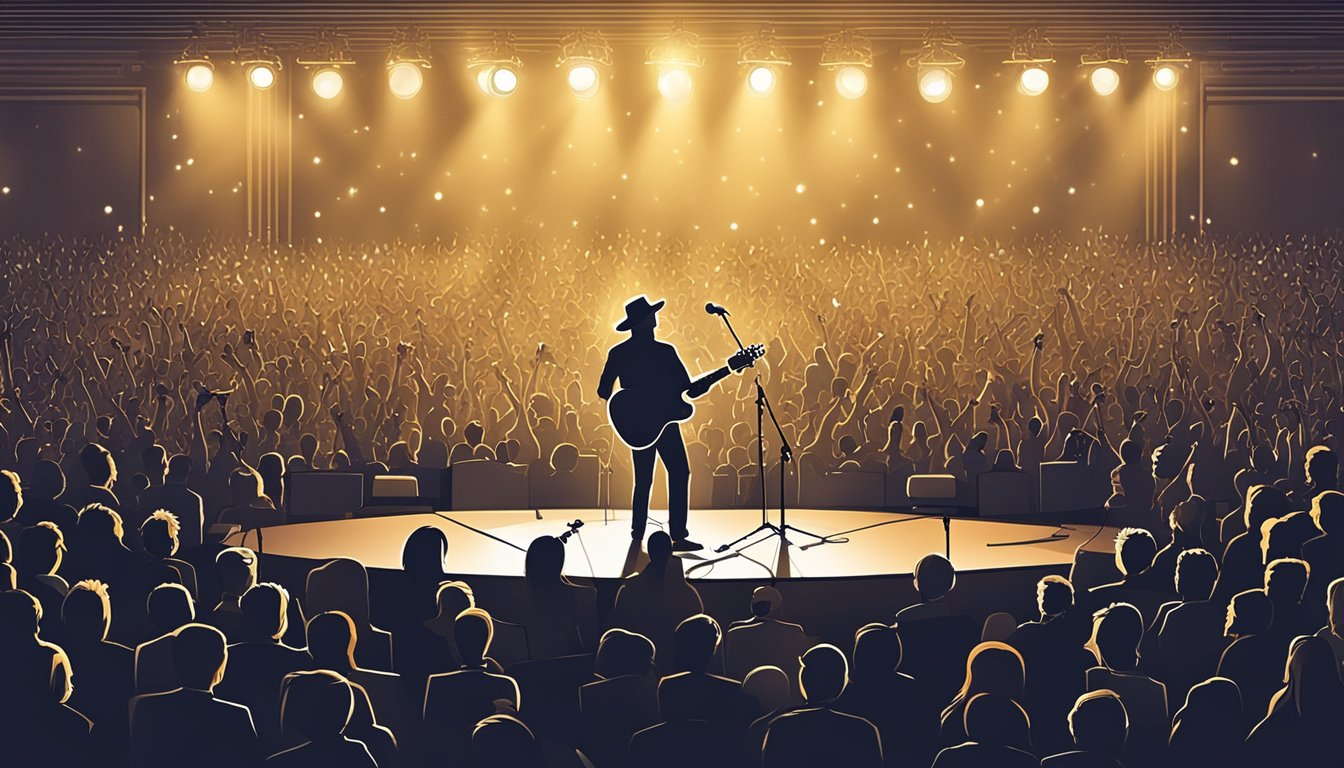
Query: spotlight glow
(1165, 77)
(200, 77)
(1105, 80)
(935, 84)
(583, 80)
(851, 82)
(405, 79)
(327, 83)
(503, 81)
(261, 76)
(1034, 81)
(675, 85)
(761, 80)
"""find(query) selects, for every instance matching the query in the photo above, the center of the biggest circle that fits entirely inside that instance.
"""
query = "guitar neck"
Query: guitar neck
(708, 380)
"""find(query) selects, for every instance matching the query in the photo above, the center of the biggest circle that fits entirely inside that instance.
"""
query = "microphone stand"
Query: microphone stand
(785, 456)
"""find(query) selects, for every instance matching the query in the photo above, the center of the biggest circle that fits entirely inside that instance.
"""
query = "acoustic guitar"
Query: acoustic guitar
(639, 416)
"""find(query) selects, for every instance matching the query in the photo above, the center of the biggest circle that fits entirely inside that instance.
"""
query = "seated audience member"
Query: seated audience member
(1208, 730)
(99, 549)
(106, 669)
(39, 727)
(991, 667)
(455, 701)
(1242, 565)
(259, 661)
(817, 733)
(624, 698)
(40, 552)
(561, 616)
(249, 507)
(934, 578)
(504, 741)
(1189, 639)
(693, 693)
(1302, 725)
(174, 496)
(159, 535)
(890, 699)
(1187, 524)
(997, 734)
(1333, 631)
(424, 559)
(764, 639)
(189, 726)
(1117, 632)
(769, 689)
(1285, 584)
(1099, 725)
(100, 469)
(1254, 660)
(1325, 553)
(333, 644)
(343, 585)
(654, 601)
(318, 706)
(236, 571)
(1055, 642)
(170, 608)
(40, 501)
(1140, 586)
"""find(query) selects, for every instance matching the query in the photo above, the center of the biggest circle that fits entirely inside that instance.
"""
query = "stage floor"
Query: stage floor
(878, 543)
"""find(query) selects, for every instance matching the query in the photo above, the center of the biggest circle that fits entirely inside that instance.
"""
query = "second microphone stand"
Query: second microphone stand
(785, 457)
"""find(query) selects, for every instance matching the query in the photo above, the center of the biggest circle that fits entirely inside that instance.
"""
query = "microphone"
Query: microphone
(715, 309)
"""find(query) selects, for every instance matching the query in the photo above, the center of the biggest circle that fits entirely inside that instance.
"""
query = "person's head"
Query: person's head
(765, 601)
(179, 469)
(473, 631)
(331, 640)
(48, 480)
(86, 611)
(1262, 503)
(236, 569)
(265, 610)
(159, 533)
(1248, 613)
(1286, 580)
(660, 551)
(452, 598)
(98, 525)
(1327, 512)
(694, 643)
(1004, 461)
(824, 674)
(1196, 574)
(9, 577)
(1135, 549)
(1334, 603)
(473, 433)
(341, 584)
(1311, 679)
(1117, 631)
(154, 460)
(934, 577)
(1099, 722)
(877, 649)
(424, 557)
(245, 486)
(11, 495)
(20, 615)
(1131, 451)
(1035, 425)
(200, 654)
(170, 606)
(993, 667)
(544, 562)
(1054, 595)
(316, 704)
(565, 457)
(41, 548)
(621, 652)
(1210, 705)
(996, 720)
(768, 686)
(98, 465)
(504, 741)
(1187, 517)
(1322, 467)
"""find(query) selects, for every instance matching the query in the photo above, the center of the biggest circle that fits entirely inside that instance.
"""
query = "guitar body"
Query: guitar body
(639, 416)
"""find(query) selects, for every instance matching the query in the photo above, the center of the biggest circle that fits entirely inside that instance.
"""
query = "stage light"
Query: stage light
(497, 66)
(1171, 58)
(1165, 77)
(200, 77)
(327, 83)
(585, 54)
(675, 85)
(1102, 62)
(261, 76)
(851, 56)
(675, 55)
(1105, 80)
(763, 57)
(503, 81)
(1031, 51)
(407, 59)
(935, 64)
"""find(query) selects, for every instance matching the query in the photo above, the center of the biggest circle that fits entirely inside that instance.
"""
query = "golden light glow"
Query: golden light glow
(1034, 81)
(761, 80)
(503, 81)
(1165, 77)
(935, 84)
(405, 79)
(675, 85)
(328, 82)
(851, 82)
(583, 80)
(200, 77)
(1105, 80)
(261, 76)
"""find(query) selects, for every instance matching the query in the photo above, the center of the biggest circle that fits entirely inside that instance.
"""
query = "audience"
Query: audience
(817, 733)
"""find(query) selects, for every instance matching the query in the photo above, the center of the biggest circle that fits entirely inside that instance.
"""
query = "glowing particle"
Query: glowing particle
(733, 226)
(107, 209)
(1035, 209)
(317, 214)
(800, 189)
(979, 202)
(1233, 161)
(438, 195)
(317, 160)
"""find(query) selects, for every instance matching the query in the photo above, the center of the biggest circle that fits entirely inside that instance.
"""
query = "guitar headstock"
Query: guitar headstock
(746, 358)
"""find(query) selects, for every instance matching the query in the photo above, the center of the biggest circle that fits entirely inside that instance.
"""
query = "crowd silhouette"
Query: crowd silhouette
(155, 388)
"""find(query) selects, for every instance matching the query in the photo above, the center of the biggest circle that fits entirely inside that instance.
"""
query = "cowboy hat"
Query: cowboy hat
(637, 310)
